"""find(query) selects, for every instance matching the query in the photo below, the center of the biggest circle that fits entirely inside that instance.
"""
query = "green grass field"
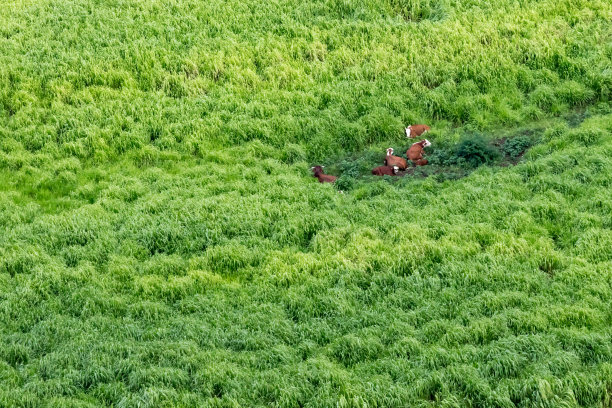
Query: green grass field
(163, 243)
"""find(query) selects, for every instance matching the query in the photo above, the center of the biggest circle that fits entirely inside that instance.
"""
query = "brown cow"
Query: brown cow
(317, 172)
(413, 131)
(392, 160)
(385, 171)
(415, 153)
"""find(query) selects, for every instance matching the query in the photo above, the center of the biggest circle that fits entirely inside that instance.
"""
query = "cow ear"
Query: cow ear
(322, 167)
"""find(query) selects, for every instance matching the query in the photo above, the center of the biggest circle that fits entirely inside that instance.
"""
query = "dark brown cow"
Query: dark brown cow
(385, 171)
(317, 171)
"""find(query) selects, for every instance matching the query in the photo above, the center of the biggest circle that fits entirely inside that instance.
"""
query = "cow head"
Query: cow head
(426, 143)
(395, 169)
(317, 170)
(408, 132)
(390, 151)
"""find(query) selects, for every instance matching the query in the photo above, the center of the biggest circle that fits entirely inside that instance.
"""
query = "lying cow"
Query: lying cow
(385, 170)
(413, 131)
(391, 160)
(317, 172)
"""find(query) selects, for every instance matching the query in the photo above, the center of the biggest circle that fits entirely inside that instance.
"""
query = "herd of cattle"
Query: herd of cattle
(393, 164)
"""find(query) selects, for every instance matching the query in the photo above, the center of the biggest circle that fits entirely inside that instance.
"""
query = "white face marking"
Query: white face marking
(395, 169)
(408, 131)
(427, 143)
(390, 151)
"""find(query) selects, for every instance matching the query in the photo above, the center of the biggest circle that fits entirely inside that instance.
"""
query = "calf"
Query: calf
(413, 131)
(317, 172)
(392, 160)
(385, 171)
(415, 153)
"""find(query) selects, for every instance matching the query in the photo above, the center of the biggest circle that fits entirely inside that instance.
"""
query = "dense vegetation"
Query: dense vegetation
(162, 242)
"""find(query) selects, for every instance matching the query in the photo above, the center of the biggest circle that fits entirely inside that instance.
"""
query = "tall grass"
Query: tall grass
(189, 284)
(328, 75)
(163, 243)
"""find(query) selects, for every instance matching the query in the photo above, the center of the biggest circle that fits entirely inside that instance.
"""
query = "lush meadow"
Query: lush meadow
(162, 243)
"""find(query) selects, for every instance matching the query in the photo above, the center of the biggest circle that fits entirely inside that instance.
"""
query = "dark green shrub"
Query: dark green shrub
(474, 151)
(516, 146)
(349, 171)
(345, 182)
(350, 168)
(442, 156)
(450, 175)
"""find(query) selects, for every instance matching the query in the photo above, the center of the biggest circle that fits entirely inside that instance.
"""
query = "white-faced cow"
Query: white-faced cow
(391, 160)
(413, 131)
(415, 153)
(385, 170)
